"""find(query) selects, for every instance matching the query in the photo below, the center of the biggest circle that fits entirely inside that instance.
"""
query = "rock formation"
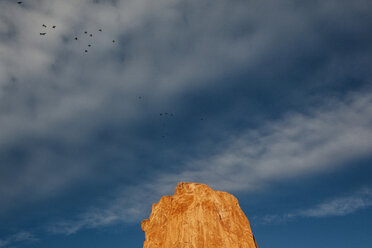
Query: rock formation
(197, 217)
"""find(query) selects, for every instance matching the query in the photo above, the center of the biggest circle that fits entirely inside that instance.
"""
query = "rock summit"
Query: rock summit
(196, 216)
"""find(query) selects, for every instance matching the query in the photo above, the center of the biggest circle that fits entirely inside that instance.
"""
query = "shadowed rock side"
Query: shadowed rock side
(197, 217)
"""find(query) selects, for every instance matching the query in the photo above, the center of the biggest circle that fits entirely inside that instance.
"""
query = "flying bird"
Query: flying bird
(91, 35)
(100, 30)
(89, 45)
(86, 51)
(76, 38)
(44, 26)
(54, 27)
(113, 41)
(42, 33)
(85, 32)
(19, 2)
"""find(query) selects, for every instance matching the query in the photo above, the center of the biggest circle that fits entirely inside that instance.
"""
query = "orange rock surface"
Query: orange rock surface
(196, 216)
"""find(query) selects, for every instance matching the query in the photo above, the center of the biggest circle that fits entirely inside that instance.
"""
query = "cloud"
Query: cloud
(340, 206)
(49, 107)
(57, 102)
(129, 205)
(326, 138)
(17, 238)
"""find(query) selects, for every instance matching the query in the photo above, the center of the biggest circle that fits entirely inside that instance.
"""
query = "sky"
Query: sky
(268, 100)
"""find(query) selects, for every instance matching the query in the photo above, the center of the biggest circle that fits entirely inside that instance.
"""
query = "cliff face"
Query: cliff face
(197, 217)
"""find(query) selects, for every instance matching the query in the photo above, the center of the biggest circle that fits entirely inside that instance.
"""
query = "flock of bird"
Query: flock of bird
(76, 38)
(45, 26)
(165, 118)
(162, 115)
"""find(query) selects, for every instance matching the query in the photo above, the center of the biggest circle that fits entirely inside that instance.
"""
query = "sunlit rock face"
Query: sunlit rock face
(196, 216)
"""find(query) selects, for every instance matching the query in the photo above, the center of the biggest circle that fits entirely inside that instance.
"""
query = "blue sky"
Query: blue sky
(268, 100)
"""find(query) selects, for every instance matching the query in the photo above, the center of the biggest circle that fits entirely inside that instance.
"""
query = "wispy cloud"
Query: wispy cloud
(326, 138)
(129, 205)
(17, 239)
(340, 206)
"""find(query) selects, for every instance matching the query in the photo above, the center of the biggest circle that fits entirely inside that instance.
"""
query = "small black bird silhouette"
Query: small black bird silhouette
(85, 32)
(140, 97)
(86, 51)
(54, 27)
(44, 26)
(100, 30)
(19, 2)
(91, 35)
(201, 119)
(76, 38)
(42, 33)
(160, 114)
(89, 45)
(113, 41)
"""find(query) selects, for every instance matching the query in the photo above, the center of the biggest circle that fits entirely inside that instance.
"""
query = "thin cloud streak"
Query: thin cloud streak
(17, 239)
(340, 206)
(129, 206)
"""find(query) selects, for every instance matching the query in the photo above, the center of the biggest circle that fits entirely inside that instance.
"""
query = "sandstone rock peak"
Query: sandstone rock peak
(196, 216)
